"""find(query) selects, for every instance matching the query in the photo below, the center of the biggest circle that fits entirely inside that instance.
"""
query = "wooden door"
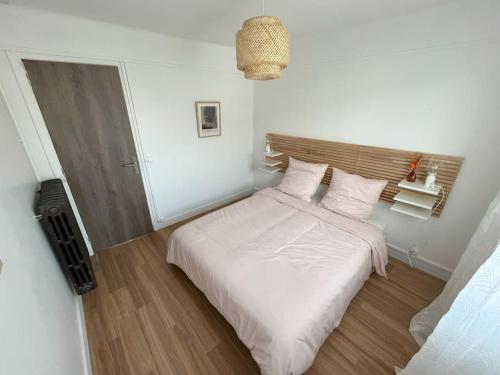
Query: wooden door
(85, 113)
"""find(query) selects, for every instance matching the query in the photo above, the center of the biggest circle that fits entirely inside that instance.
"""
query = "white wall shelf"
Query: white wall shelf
(271, 162)
(408, 209)
(271, 170)
(419, 187)
(416, 199)
(272, 154)
(269, 165)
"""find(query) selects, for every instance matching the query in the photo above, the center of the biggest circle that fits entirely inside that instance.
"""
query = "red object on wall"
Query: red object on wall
(412, 176)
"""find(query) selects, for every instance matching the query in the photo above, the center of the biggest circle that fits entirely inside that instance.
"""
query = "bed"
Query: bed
(280, 270)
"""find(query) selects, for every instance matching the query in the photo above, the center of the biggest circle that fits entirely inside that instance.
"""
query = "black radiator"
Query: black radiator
(60, 225)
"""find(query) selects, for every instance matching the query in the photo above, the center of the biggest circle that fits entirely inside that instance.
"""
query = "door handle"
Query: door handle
(132, 165)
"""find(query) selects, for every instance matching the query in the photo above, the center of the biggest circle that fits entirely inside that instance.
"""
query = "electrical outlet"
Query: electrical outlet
(413, 251)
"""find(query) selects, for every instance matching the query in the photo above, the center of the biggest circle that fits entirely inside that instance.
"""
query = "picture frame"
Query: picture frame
(208, 119)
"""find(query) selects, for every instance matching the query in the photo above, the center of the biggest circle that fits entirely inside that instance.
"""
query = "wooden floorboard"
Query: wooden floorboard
(147, 318)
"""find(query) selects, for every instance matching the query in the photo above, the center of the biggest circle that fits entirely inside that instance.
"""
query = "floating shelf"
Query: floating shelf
(416, 199)
(419, 187)
(408, 209)
(271, 162)
(272, 154)
(267, 169)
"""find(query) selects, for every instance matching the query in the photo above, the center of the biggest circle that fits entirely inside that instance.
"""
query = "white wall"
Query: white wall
(428, 82)
(187, 172)
(40, 323)
(40, 331)
(166, 76)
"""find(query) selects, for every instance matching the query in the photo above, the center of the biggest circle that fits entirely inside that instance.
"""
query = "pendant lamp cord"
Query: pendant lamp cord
(263, 8)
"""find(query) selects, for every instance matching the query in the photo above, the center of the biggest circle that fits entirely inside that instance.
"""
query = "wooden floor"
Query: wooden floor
(147, 318)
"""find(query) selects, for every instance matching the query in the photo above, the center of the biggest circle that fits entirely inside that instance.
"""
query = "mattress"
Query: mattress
(281, 271)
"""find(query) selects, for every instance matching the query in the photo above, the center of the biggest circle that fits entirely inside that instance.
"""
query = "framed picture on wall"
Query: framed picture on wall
(208, 118)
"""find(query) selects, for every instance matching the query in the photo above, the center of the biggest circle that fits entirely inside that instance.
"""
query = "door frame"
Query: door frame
(41, 150)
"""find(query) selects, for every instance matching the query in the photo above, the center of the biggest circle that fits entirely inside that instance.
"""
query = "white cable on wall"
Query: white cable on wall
(442, 198)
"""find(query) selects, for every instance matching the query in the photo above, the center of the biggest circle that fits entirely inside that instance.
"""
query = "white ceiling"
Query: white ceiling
(217, 20)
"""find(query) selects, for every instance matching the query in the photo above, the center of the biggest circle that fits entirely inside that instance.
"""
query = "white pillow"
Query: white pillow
(319, 194)
(352, 195)
(302, 179)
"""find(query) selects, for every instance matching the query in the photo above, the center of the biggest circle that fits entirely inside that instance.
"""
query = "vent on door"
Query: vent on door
(59, 222)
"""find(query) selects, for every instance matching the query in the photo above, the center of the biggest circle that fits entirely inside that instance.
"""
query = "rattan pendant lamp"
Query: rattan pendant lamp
(262, 50)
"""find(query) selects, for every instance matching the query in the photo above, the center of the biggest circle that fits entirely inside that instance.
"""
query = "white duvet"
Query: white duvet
(280, 270)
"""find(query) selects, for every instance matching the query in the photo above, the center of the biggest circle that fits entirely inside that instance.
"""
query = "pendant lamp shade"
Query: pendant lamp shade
(262, 50)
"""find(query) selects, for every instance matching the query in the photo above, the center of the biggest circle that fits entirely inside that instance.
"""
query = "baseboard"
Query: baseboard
(423, 264)
(203, 208)
(83, 337)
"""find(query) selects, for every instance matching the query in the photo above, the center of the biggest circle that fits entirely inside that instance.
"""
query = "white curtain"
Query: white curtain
(481, 246)
(460, 330)
(467, 338)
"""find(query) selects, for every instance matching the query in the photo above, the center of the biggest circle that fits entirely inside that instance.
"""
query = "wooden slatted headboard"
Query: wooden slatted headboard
(370, 162)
